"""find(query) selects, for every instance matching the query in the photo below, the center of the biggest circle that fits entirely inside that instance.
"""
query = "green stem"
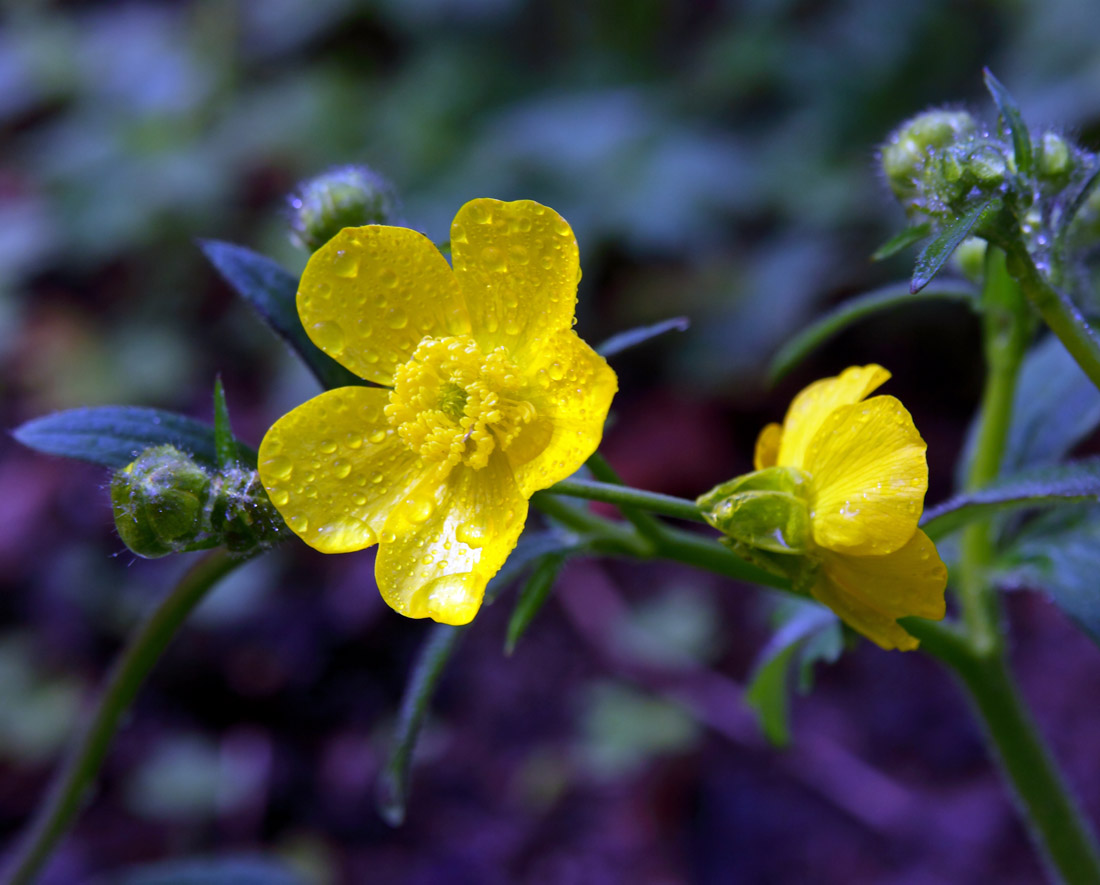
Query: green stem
(66, 796)
(1006, 331)
(1057, 310)
(626, 497)
(644, 522)
(1056, 822)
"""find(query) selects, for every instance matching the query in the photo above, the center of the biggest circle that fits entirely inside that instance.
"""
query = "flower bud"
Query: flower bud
(159, 501)
(765, 510)
(909, 148)
(346, 196)
(969, 258)
(242, 515)
(1056, 157)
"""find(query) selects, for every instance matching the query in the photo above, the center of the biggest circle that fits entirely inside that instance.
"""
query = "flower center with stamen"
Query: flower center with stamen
(451, 403)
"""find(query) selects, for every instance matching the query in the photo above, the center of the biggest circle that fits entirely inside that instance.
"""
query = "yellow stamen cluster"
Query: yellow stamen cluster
(450, 403)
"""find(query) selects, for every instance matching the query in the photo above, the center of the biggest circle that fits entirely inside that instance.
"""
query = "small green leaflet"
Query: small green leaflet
(532, 596)
(114, 435)
(225, 446)
(902, 240)
(1013, 122)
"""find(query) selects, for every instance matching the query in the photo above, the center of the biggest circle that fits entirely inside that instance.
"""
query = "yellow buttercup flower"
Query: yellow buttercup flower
(488, 397)
(866, 476)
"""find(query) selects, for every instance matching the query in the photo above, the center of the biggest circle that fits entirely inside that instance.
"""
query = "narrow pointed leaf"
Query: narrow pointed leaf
(532, 597)
(1068, 483)
(114, 435)
(392, 790)
(633, 337)
(902, 240)
(854, 309)
(225, 446)
(272, 293)
(1013, 123)
(934, 256)
(1075, 206)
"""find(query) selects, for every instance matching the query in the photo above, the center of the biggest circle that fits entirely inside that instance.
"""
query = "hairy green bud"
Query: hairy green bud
(165, 502)
(969, 258)
(1056, 157)
(910, 147)
(159, 502)
(347, 196)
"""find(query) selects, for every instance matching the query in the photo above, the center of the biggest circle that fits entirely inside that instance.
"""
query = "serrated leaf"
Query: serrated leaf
(212, 871)
(114, 435)
(1068, 483)
(532, 596)
(1059, 553)
(768, 689)
(225, 446)
(1013, 122)
(633, 337)
(902, 240)
(934, 256)
(856, 308)
(272, 293)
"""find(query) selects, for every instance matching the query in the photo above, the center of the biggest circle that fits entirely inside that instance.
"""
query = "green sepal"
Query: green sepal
(765, 510)
(799, 571)
(241, 514)
(225, 446)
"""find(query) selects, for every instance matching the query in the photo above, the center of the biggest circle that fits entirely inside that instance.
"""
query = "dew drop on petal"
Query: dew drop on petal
(470, 534)
(341, 468)
(377, 437)
(298, 523)
(397, 318)
(492, 258)
(329, 336)
(328, 446)
(556, 371)
(279, 467)
(279, 497)
(345, 264)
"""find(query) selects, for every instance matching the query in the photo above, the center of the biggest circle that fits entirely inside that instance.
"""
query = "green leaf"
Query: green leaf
(211, 871)
(1013, 122)
(1073, 482)
(1055, 407)
(853, 309)
(392, 790)
(1059, 553)
(934, 256)
(225, 446)
(1065, 222)
(813, 633)
(114, 435)
(532, 596)
(902, 240)
(633, 337)
(272, 292)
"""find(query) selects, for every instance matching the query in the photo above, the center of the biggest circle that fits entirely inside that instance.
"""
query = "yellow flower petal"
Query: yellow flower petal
(450, 535)
(334, 468)
(871, 592)
(767, 447)
(371, 293)
(815, 403)
(868, 478)
(571, 388)
(518, 266)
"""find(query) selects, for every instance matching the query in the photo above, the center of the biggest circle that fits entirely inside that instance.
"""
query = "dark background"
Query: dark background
(716, 160)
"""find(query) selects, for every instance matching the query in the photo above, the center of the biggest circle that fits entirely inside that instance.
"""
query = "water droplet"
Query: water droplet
(397, 318)
(377, 437)
(493, 258)
(512, 327)
(388, 277)
(353, 441)
(491, 323)
(556, 371)
(279, 497)
(345, 264)
(298, 523)
(387, 537)
(517, 255)
(420, 509)
(479, 213)
(341, 468)
(328, 336)
(279, 467)
(470, 534)
(328, 446)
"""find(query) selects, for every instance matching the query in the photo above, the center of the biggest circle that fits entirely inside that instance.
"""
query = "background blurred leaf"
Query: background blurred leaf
(633, 337)
(902, 240)
(114, 435)
(213, 871)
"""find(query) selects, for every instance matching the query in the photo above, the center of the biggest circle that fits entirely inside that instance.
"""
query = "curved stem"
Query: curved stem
(67, 793)
(627, 497)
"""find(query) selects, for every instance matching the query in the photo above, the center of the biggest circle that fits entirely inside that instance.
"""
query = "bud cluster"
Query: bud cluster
(166, 502)
(942, 163)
